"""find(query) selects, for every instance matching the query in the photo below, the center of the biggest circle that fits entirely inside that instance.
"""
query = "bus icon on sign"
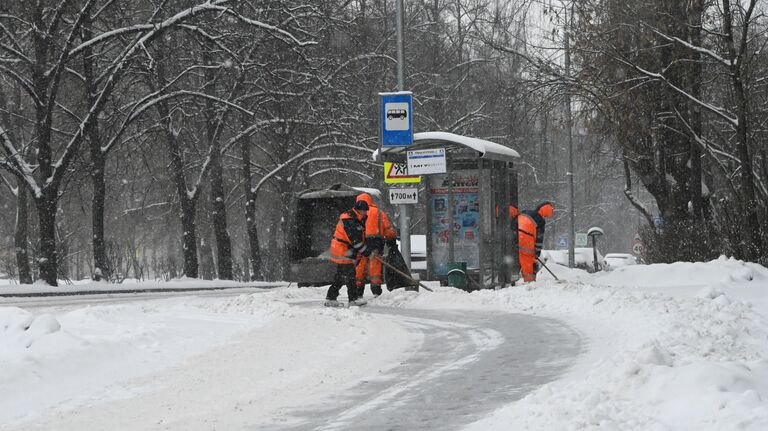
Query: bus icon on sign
(396, 116)
(397, 113)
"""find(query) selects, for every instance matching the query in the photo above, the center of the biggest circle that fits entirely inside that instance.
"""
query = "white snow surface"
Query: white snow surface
(682, 346)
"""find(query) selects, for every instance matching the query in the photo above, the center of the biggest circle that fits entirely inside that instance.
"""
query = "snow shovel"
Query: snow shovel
(547, 268)
(402, 273)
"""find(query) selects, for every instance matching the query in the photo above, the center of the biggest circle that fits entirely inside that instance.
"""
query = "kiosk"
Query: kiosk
(317, 212)
(467, 210)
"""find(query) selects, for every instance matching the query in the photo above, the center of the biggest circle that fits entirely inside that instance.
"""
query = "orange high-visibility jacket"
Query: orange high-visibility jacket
(377, 224)
(349, 238)
(530, 233)
(530, 227)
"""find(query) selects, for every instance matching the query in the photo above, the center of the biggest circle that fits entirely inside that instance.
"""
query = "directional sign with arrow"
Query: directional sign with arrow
(403, 196)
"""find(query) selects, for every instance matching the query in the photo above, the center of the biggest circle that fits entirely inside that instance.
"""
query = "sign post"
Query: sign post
(396, 120)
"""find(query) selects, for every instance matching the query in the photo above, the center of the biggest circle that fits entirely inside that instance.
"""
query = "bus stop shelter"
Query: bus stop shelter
(467, 209)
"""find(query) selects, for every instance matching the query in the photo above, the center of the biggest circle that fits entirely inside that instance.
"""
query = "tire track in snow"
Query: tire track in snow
(470, 363)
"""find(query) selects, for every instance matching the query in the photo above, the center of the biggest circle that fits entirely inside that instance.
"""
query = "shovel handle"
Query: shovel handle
(547, 268)
(402, 273)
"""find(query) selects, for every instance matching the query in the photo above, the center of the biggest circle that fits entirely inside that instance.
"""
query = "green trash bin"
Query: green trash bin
(457, 274)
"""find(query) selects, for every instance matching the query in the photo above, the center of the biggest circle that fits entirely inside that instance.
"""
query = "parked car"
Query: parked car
(583, 258)
(616, 260)
(418, 255)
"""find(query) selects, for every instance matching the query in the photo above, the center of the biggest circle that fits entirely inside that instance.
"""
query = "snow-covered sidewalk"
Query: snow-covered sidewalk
(668, 347)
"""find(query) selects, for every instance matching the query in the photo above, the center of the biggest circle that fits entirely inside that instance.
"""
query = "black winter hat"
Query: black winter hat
(361, 206)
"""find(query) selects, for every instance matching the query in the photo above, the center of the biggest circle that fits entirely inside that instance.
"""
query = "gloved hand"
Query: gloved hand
(375, 244)
(367, 251)
(392, 242)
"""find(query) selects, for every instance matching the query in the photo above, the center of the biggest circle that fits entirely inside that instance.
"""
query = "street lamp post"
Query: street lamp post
(569, 174)
(405, 229)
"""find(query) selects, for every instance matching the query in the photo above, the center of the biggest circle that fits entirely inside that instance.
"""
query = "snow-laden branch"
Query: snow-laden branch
(150, 101)
(138, 28)
(21, 167)
(631, 197)
(265, 26)
(15, 52)
(713, 150)
(699, 49)
(113, 74)
(340, 170)
(13, 189)
(467, 117)
(720, 112)
(23, 82)
(275, 171)
(328, 159)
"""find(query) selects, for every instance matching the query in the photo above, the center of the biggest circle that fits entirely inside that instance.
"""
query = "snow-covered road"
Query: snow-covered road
(384, 368)
(467, 365)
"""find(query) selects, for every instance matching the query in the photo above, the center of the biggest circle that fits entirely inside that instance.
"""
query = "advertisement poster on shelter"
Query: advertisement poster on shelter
(466, 219)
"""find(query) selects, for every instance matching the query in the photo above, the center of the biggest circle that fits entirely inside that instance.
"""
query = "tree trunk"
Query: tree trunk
(48, 260)
(218, 198)
(694, 112)
(101, 262)
(206, 259)
(20, 235)
(98, 166)
(257, 272)
(189, 237)
(187, 199)
(751, 229)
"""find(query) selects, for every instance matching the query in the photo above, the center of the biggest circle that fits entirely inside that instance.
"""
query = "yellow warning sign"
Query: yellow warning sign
(397, 173)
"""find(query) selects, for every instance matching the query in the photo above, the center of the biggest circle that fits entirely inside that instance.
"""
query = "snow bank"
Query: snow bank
(22, 332)
(670, 347)
(247, 356)
(131, 285)
(655, 361)
(685, 274)
(76, 356)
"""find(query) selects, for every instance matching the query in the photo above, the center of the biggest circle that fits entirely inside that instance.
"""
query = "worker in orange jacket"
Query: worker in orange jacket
(530, 237)
(347, 246)
(378, 229)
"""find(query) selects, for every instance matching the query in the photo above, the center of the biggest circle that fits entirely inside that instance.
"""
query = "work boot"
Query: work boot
(376, 289)
(332, 303)
(357, 302)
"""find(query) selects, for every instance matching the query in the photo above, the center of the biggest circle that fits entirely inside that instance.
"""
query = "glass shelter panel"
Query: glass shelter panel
(465, 222)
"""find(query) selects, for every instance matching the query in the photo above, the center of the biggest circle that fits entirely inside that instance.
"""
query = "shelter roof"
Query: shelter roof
(484, 149)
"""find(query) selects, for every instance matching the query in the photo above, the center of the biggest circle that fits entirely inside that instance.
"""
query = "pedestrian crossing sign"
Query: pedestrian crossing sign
(397, 173)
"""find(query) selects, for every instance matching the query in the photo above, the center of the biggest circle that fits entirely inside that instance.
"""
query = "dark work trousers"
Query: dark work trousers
(345, 274)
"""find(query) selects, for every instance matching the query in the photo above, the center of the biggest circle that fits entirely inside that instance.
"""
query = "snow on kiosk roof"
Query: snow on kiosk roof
(486, 149)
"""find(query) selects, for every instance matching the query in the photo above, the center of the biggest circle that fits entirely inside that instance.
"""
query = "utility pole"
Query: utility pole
(569, 174)
(405, 229)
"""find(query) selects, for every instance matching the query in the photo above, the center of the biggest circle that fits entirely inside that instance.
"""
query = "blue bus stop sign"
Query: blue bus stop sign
(396, 119)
